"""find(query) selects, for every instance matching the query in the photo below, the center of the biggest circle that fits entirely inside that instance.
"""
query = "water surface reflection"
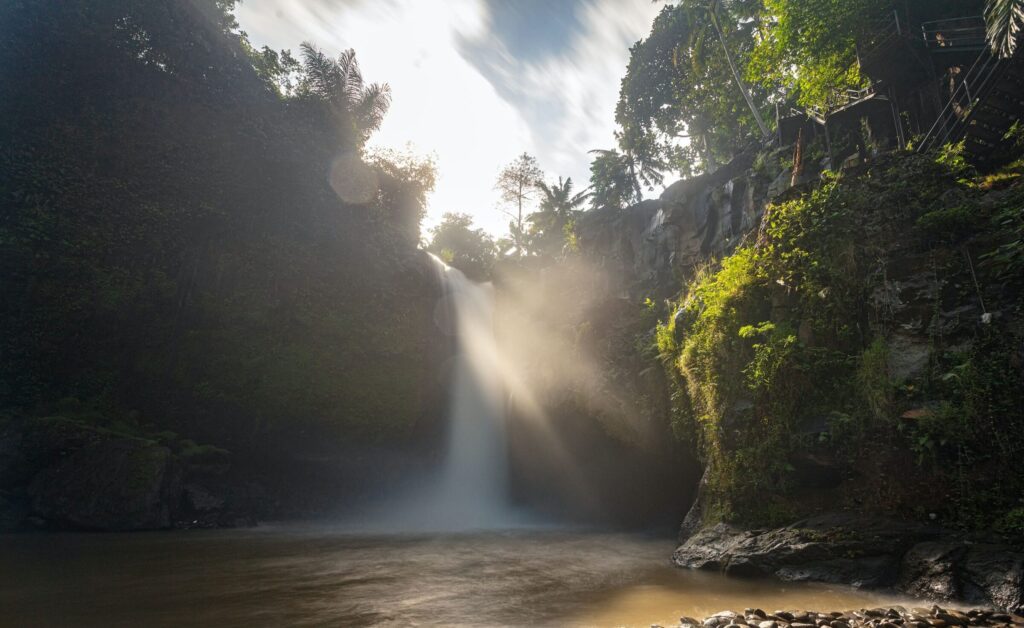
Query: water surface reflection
(295, 575)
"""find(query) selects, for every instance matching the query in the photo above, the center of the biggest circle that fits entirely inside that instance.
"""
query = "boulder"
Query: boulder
(837, 548)
(988, 574)
(117, 484)
(28, 446)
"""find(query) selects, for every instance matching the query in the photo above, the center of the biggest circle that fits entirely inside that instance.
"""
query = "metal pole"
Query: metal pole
(736, 75)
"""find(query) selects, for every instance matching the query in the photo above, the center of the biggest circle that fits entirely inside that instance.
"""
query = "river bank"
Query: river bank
(919, 560)
(892, 617)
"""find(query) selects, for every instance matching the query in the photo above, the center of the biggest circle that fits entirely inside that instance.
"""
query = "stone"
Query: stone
(839, 548)
(976, 573)
(118, 484)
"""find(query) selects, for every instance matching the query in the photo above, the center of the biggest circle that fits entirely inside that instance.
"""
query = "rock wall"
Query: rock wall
(651, 248)
(917, 559)
(61, 473)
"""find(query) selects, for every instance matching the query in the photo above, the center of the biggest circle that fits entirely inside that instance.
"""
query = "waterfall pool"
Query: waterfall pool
(278, 575)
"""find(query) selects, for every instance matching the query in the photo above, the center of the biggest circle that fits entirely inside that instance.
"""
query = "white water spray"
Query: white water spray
(472, 489)
(469, 490)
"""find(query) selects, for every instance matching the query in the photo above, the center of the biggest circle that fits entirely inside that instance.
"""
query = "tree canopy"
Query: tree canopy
(517, 187)
(459, 245)
(558, 208)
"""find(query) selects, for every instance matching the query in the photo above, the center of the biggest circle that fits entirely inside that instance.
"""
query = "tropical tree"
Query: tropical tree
(517, 185)
(613, 181)
(558, 207)
(810, 48)
(339, 83)
(682, 99)
(1004, 19)
(461, 246)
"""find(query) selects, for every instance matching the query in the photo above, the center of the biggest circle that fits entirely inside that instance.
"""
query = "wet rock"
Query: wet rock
(837, 548)
(118, 484)
(893, 617)
(28, 446)
(976, 573)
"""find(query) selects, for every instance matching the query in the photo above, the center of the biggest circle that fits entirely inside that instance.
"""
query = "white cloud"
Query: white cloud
(442, 104)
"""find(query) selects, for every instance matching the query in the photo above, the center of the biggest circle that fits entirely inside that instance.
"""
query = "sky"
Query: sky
(476, 82)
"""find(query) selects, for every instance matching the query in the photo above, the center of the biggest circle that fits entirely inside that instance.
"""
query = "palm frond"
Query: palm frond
(352, 77)
(1004, 19)
(321, 72)
(372, 105)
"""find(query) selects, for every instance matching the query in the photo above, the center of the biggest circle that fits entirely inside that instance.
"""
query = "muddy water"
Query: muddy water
(316, 576)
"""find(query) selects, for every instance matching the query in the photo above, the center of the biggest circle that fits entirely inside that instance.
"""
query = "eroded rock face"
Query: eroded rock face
(980, 573)
(644, 247)
(118, 484)
(866, 552)
(828, 548)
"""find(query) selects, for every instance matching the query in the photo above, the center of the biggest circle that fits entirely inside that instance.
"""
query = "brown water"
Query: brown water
(315, 576)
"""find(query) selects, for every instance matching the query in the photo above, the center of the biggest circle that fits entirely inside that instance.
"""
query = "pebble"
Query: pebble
(894, 617)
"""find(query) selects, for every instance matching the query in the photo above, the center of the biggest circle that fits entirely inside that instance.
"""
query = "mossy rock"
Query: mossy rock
(118, 484)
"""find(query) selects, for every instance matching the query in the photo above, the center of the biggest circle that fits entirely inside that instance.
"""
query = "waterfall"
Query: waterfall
(471, 489)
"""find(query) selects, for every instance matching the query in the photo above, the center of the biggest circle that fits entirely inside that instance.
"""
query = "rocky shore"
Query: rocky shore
(919, 560)
(893, 617)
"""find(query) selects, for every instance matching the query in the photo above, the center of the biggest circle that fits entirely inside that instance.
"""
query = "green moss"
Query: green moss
(784, 333)
(1011, 523)
(873, 380)
(948, 222)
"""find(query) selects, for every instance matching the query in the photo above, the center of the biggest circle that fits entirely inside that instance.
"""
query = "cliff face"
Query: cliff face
(851, 346)
(180, 266)
(647, 249)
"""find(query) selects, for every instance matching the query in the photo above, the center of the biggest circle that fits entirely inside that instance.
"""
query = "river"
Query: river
(304, 575)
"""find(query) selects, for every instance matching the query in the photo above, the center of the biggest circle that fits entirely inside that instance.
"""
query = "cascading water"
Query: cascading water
(471, 490)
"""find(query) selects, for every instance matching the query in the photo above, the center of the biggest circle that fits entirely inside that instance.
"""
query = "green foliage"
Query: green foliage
(355, 107)
(783, 334)
(948, 222)
(810, 47)
(678, 84)
(517, 186)
(1007, 259)
(551, 224)
(182, 251)
(1004, 19)
(613, 180)
(1012, 523)
(874, 380)
(470, 250)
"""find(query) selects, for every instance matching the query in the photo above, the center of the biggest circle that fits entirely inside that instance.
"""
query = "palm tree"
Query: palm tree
(614, 179)
(339, 83)
(557, 209)
(1004, 19)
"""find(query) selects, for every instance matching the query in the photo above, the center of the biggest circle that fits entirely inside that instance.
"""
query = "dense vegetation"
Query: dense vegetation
(795, 350)
(193, 238)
